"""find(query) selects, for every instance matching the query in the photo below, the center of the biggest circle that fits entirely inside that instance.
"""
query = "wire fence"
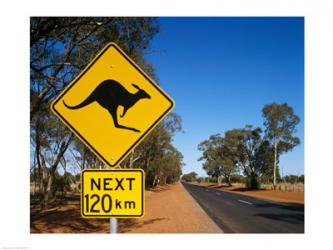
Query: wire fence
(287, 187)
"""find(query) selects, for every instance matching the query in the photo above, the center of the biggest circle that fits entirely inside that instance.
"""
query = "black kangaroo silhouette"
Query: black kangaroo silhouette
(110, 94)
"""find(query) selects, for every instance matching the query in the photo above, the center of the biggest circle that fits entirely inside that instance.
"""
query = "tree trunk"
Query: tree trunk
(219, 180)
(50, 172)
(48, 192)
(274, 168)
(228, 180)
(155, 181)
(253, 185)
(132, 159)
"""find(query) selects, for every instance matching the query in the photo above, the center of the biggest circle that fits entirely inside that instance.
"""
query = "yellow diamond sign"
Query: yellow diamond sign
(112, 105)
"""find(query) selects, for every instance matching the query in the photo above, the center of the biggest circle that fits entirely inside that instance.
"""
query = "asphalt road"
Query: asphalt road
(236, 213)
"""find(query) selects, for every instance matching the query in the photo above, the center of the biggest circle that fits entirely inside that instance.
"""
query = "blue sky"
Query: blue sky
(222, 71)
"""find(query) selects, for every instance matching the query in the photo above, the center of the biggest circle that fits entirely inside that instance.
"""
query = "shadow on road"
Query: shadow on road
(283, 215)
(235, 188)
(285, 206)
(290, 218)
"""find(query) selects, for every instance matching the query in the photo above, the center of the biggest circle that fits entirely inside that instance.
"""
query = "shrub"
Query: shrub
(252, 183)
(238, 179)
(200, 179)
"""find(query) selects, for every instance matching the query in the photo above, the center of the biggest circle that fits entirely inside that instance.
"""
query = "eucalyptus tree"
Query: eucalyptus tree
(280, 127)
(218, 159)
(251, 153)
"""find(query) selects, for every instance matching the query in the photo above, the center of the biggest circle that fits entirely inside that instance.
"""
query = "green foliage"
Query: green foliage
(301, 178)
(77, 177)
(246, 149)
(293, 179)
(218, 159)
(267, 177)
(190, 177)
(34, 175)
(213, 179)
(238, 179)
(252, 183)
(243, 149)
(264, 159)
(200, 179)
(62, 183)
(280, 126)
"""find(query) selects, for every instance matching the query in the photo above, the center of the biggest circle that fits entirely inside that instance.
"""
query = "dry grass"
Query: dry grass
(284, 187)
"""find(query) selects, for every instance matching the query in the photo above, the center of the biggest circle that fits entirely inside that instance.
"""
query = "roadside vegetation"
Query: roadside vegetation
(251, 151)
(60, 48)
(288, 183)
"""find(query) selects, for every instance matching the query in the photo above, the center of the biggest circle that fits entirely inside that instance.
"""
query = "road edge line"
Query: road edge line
(202, 209)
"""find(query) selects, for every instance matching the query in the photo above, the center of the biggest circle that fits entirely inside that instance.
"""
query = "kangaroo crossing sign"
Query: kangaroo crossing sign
(112, 193)
(112, 105)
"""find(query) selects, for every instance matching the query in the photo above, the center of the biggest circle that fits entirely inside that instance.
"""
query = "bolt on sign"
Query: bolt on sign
(112, 193)
(112, 105)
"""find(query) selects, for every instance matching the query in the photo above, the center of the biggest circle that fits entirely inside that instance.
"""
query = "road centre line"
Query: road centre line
(245, 202)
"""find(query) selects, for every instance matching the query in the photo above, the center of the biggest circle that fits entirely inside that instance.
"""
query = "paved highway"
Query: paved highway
(236, 213)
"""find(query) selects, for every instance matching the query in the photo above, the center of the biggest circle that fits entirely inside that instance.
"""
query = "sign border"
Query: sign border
(112, 216)
(77, 78)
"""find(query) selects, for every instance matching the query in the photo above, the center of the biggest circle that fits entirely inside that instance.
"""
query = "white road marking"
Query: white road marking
(217, 193)
(207, 190)
(245, 202)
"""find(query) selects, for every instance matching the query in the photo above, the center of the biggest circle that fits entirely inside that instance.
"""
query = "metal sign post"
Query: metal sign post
(113, 225)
